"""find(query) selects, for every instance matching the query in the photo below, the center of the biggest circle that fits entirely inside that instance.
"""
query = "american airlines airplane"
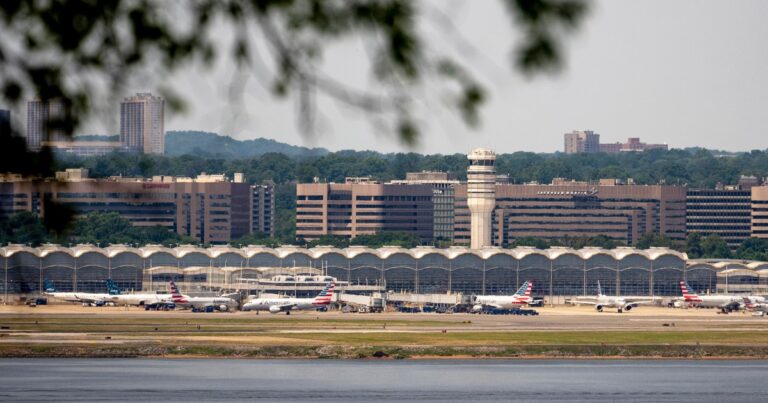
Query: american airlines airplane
(620, 303)
(140, 299)
(219, 303)
(712, 301)
(85, 298)
(277, 305)
(520, 298)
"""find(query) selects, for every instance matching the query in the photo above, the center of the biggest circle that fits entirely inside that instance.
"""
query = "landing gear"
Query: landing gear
(621, 310)
(287, 312)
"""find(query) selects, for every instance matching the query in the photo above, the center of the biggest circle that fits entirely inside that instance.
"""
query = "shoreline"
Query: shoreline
(375, 353)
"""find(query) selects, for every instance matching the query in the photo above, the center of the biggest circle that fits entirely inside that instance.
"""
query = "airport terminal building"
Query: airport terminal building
(556, 272)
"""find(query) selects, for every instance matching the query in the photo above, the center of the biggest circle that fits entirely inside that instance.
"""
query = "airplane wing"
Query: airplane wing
(283, 308)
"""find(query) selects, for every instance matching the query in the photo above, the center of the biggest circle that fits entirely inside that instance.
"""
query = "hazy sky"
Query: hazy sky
(686, 73)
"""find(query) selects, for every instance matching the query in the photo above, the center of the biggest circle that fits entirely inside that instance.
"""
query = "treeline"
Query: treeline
(695, 168)
(103, 229)
(100, 229)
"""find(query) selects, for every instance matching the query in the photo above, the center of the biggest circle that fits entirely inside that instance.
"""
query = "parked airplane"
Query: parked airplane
(708, 301)
(519, 298)
(140, 299)
(277, 305)
(221, 303)
(620, 303)
(85, 298)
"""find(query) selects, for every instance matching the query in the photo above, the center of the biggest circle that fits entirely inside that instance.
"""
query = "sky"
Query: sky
(686, 73)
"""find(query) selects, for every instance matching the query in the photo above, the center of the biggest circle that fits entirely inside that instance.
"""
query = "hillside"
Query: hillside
(212, 145)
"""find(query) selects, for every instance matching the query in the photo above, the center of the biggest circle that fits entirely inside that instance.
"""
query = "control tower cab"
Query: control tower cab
(481, 195)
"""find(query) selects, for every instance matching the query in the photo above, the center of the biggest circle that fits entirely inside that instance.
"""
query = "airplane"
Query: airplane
(277, 305)
(140, 299)
(220, 303)
(519, 298)
(711, 301)
(86, 298)
(620, 303)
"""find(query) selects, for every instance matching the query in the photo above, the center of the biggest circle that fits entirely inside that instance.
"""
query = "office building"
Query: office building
(722, 212)
(142, 127)
(263, 208)
(578, 209)
(209, 208)
(363, 207)
(442, 199)
(45, 122)
(760, 211)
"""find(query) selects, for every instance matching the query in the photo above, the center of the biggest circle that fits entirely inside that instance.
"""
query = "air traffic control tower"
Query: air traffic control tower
(481, 195)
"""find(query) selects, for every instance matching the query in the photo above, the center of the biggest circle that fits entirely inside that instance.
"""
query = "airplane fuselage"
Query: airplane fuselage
(295, 304)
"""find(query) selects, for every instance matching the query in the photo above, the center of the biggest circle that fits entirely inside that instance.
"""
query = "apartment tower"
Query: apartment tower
(142, 124)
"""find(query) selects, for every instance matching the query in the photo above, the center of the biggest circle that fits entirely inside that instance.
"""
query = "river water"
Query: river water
(190, 380)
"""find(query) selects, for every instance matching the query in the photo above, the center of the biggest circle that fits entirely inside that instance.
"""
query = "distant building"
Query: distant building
(44, 122)
(589, 142)
(263, 208)
(208, 208)
(443, 192)
(142, 126)
(582, 141)
(84, 148)
(363, 207)
(722, 212)
(578, 209)
(760, 211)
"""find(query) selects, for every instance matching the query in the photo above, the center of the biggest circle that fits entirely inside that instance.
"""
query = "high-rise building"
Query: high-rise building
(45, 121)
(142, 127)
(582, 141)
(481, 195)
(722, 212)
(263, 208)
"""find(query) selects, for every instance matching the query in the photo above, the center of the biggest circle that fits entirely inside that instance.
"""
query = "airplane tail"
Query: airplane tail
(599, 289)
(687, 291)
(326, 295)
(748, 304)
(176, 296)
(525, 289)
(112, 288)
(48, 286)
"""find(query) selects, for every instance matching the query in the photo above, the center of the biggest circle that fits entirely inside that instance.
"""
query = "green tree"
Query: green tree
(656, 240)
(715, 247)
(329, 240)
(256, 238)
(23, 228)
(753, 249)
(537, 243)
(693, 245)
(387, 238)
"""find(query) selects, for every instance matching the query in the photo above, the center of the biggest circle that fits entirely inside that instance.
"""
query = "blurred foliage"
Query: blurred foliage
(101, 229)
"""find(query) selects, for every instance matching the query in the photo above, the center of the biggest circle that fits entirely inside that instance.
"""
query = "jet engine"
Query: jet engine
(628, 307)
(599, 308)
(223, 308)
(477, 308)
(274, 309)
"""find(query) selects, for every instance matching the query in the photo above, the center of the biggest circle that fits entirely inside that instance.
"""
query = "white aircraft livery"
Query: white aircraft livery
(520, 298)
(277, 305)
(86, 298)
(219, 303)
(620, 303)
